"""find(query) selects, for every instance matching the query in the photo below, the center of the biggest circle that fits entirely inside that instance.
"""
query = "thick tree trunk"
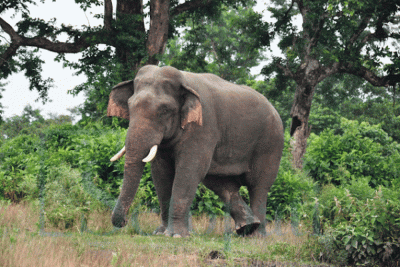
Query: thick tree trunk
(130, 10)
(158, 32)
(299, 129)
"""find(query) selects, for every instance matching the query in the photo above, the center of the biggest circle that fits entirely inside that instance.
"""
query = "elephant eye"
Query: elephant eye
(164, 110)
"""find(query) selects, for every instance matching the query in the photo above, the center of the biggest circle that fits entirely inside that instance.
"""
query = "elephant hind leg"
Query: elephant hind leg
(259, 181)
(227, 188)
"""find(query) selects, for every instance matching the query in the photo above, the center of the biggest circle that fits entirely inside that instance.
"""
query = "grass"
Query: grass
(23, 244)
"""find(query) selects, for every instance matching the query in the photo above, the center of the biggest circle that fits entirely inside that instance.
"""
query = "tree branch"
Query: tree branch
(370, 76)
(40, 42)
(285, 70)
(7, 55)
(359, 31)
(284, 18)
(187, 6)
(317, 30)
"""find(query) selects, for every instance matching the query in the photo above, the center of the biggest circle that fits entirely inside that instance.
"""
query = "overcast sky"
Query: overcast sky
(17, 95)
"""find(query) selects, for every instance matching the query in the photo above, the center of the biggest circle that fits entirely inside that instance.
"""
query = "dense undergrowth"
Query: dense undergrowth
(347, 195)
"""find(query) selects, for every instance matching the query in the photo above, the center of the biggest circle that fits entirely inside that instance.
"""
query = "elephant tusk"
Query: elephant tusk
(119, 154)
(151, 155)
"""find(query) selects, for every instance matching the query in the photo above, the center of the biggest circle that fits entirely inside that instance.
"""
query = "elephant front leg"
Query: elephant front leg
(162, 171)
(188, 174)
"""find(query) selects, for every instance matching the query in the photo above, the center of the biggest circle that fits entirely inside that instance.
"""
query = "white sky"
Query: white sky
(17, 95)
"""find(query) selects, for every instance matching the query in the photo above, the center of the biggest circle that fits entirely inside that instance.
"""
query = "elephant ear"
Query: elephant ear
(191, 110)
(118, 102)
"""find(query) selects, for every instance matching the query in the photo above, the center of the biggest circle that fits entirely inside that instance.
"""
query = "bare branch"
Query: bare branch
(187, 6)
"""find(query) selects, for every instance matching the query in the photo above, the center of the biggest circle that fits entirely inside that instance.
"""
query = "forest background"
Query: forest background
(335, 86)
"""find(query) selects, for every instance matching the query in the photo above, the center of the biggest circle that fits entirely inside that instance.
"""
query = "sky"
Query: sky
(17, 94)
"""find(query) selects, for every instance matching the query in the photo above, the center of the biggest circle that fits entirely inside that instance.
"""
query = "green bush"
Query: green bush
(66, 201)
(290, 188)
(94, 150)
(364, 222)
(362, 150)
(146, 197)
(18, 157)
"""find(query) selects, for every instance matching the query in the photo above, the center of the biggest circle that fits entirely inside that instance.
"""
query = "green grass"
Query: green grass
(23, 244)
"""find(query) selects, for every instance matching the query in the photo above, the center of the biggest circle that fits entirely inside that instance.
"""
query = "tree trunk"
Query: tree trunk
(298, 144)
(299, 129)
(129, 10)
(158, 32)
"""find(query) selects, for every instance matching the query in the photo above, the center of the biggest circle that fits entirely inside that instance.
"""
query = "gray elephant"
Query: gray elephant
(197, 128)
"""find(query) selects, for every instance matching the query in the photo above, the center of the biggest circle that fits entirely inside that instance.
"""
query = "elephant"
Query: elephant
(196, 128)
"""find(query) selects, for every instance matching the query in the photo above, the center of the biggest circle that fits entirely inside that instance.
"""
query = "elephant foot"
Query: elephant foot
(177, 235)
(247, 228)
(160, 230)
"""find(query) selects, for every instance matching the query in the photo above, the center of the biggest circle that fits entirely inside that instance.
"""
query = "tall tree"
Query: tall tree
(335, 36)
(128, 43)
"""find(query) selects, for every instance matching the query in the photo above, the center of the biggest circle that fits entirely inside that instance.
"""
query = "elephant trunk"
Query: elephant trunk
(139, 143)
(132, 174)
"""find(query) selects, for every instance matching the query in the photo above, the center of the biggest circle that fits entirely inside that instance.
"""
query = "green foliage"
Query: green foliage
(323, 118)
(66, 201)
(102, 78)
(379, 110)
(206, 201)
(227, 45)
(94, 150)
(362, 150)
(363, 222)
(18, 164)
(30, 122)
(146, 196)
(290, 188)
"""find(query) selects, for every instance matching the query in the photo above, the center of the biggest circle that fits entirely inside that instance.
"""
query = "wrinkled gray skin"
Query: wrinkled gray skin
(208, 130)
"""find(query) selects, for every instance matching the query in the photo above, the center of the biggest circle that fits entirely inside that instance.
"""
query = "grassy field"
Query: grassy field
(22, 243)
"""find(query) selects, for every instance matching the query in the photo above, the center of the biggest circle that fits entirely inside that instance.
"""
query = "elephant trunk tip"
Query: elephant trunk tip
(118, 221)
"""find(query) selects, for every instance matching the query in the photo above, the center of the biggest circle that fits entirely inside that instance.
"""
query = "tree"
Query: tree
(336, 37)
(228, 45)
(128, 45)
(30, 122)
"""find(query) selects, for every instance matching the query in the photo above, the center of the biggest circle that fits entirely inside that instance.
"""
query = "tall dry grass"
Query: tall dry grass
(22, 244)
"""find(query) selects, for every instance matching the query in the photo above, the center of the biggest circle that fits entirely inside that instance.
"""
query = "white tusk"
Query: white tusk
(151, 155)
(119, 154)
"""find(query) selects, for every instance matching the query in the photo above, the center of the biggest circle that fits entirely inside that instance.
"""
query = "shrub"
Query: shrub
(18, 157)
(94, 150)
(65, 199)
(146, 196)
(290, 188)
(362, 150)
(363, 221)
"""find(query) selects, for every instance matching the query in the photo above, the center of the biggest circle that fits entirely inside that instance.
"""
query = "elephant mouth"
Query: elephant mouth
(148, 158)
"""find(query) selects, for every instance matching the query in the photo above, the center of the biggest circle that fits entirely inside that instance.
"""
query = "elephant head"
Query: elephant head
(159, 104)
